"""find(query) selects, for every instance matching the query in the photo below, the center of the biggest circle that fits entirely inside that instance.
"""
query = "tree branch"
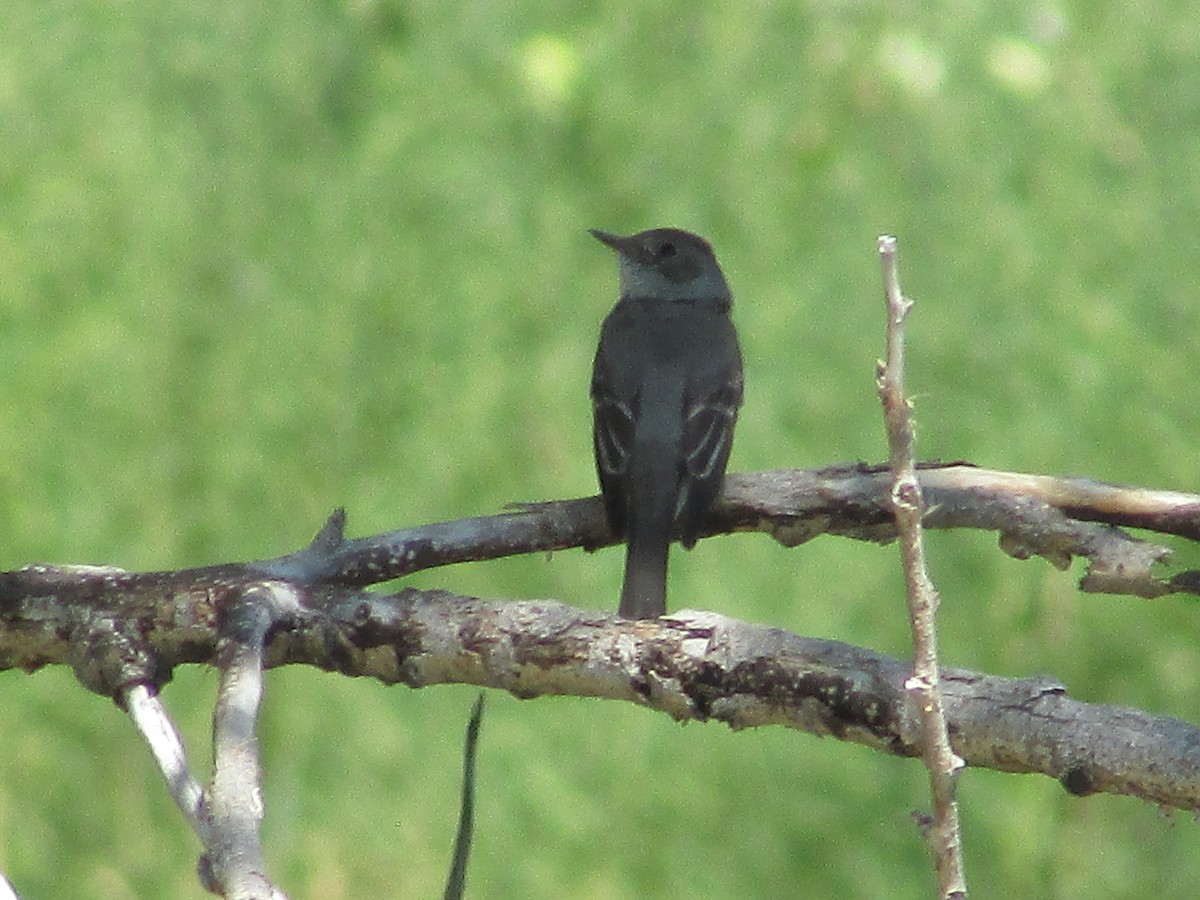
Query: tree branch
(124, 633)
(690, 665)
(44, 607)
(232, 812)
(1035, 515)
(942, 829)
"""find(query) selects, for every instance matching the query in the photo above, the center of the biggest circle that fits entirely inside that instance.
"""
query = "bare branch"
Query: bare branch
(124, 633)
(232, 863)
(694, 666)
(1035, 515)
(942, 832)
(42, 606)
(153, 722)
(456, 881)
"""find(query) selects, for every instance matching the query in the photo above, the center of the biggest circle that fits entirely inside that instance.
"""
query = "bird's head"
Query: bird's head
(666, 264)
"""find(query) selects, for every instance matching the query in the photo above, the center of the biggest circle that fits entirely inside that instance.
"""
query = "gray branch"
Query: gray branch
(690, 665)
(942, 830)
(1034, 515)
(53, 614)
(124, 633)
(232, 812)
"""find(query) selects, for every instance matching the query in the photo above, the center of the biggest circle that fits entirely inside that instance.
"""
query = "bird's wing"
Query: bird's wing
(707, 439)
(613, 424)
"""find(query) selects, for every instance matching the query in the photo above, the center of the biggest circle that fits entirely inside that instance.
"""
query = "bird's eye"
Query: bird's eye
(665, 249)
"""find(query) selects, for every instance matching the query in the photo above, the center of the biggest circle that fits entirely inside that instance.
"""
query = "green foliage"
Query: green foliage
(257, 261)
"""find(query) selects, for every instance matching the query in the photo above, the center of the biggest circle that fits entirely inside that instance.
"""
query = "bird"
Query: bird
(666, 389)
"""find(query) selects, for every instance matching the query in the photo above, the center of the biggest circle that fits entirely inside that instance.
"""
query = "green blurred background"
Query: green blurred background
(261, 260)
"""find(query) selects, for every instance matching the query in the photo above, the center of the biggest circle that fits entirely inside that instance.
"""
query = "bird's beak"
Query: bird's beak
(620, 244)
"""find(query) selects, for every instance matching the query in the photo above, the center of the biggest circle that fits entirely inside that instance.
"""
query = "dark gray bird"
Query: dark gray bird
(666, 387)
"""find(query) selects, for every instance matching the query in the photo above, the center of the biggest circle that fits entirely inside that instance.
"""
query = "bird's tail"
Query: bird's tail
(653, 484)
(644, 593)
(648, 533)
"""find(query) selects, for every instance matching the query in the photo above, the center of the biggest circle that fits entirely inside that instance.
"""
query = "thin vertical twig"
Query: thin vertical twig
(152, 721)
(456, 883)
(232, 864)
(942, 830)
